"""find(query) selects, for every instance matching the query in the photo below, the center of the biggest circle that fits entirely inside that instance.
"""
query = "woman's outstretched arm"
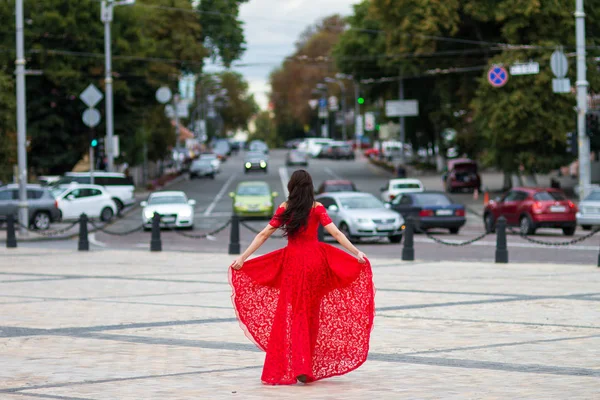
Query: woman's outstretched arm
(258, 241)
(343, 240)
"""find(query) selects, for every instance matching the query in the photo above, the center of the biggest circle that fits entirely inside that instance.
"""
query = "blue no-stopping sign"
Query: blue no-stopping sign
(498, 76)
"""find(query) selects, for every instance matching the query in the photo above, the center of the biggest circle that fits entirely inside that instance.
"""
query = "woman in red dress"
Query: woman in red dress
(310, 306)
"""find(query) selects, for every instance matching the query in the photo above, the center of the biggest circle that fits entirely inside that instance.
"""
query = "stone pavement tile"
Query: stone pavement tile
(390, 298)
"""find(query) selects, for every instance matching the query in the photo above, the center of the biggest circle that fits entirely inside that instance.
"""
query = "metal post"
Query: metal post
(92, 161)
(84, 244)
(356, 113)
(234, 235)
(408, 251)
(11, 238)
(501, 249)
(343, 87)
(21, 119)
(176, 106)
(106, 16)
(155, 242)
(402, 119)
(582, 103)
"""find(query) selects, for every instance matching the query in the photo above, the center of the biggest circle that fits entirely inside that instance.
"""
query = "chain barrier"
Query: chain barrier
(456, 244)
(256, 231)
(554, 244)
(125, 233)
(49, 233)
(202, 235)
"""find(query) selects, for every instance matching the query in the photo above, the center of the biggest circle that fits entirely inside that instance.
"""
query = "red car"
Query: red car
(336, 186)
(462, 174)
(532, 208)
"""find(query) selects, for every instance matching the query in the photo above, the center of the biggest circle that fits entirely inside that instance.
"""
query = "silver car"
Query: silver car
(362, 215)
(589, 211)
(43, 208)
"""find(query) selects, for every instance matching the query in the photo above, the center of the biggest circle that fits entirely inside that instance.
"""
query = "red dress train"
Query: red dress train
(310, 306)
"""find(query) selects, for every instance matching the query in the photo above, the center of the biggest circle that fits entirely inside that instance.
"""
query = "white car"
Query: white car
(91, 200)
(313, 146)
(119, 186)
(396, 187)
(173, 207)
(214, 160)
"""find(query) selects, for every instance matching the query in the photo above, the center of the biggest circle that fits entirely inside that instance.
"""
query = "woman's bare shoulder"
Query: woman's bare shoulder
(283, 205)
(317, 204)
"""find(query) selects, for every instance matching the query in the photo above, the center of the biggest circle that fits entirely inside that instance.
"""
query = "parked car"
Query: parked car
(462, 174)
(293, 144)
(363, 143)
(92, 200)
(532, 208)
(313, 145)
(362, 215)
(214, 160)
(43, 209)
(201, 168)
(431, 210)
(258, 146)
(589, 211)
(120, 186)
(174, 208)
(256, 161)
(338, 185)
(372, 153)
(396, 187)
(296, 157)
(222, 149)
(253, 199)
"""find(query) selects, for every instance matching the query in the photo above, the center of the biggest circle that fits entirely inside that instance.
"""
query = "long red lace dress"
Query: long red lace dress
(309, 305)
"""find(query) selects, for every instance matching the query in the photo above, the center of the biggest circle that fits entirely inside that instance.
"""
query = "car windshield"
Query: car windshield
(362, 202)
(406, 186)
(549, 196)
(208, 156)
(595, 196)
(432, 199)
(202, 163)
(339, 187)
(255, 190)
(174, 199)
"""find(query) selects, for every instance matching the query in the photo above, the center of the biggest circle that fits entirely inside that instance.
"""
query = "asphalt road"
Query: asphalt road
(214, 209)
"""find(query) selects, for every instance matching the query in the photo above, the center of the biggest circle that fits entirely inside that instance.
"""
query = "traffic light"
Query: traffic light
(572, 143)
(360, 100)
(94, 142)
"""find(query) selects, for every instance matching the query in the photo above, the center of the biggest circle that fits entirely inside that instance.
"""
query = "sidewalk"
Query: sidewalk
(141, 325)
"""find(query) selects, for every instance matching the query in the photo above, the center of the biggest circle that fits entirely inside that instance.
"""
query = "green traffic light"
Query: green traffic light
(94, 143)
(361, 100)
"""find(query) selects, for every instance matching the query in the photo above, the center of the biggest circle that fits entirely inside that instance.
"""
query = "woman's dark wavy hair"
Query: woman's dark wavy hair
(300, 201)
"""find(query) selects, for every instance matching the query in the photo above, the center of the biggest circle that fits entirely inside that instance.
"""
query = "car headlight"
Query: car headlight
(149, 214)
(237, 204)
(248, 165)
(267, 204)
(263, 164)
(185, 213)
(362, 220)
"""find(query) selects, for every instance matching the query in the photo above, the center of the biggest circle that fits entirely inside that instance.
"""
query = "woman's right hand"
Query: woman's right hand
(362, 258)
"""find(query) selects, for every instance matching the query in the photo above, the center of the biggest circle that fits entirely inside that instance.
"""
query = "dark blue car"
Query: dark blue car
(431, 210)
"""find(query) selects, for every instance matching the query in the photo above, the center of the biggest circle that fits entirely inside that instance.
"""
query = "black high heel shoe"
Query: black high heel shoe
(302, 378)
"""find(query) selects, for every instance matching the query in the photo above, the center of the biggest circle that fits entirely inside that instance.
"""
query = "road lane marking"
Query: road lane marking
(283, 174)
(92, 240)
(219, 196)
(333, 174)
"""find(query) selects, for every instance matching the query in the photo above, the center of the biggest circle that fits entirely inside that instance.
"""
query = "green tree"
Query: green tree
(7, 127)
(266, 130)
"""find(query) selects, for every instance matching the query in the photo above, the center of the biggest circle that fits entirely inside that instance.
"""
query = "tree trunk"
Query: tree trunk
(507, 181)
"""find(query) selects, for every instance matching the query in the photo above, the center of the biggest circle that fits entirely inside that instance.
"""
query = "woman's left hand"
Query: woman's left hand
(238, 263)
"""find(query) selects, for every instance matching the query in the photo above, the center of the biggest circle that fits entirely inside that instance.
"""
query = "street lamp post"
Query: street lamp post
(21, 118)
(106, 15)
(582, 103)
(343, 89)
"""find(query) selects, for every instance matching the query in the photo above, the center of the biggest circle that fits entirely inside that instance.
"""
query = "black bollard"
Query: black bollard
(155, 242)
(84, 244)
(501, 249)
(234, 235)
(408, 251)
(11, 237)
(321, 233)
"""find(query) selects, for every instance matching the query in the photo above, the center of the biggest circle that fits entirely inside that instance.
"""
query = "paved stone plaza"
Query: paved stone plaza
(140, 325)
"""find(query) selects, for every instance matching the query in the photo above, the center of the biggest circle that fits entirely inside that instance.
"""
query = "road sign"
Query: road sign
(91, 117)
(322, 113)
(322, 102)
(163, 95)
(333, 103)
(313, 103)
(91, 96)
(359, 126)
(561, 85)
(531, 68)
(369, 122)
(401, 108)
(497, 76)
(559, 64)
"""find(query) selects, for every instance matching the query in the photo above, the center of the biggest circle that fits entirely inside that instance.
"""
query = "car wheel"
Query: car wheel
(106, 214)
(266, 171)
(212, 176)
(488, 222)
(346, 231)
(41, 221)
(526, 226)
(147, 228)
(586, 227)
(454, 231)
(396, 239)
(119, 205)
(569, 231)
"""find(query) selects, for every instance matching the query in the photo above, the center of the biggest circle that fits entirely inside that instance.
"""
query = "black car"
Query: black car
(42, 206)
(431, 210)
(337, 151)
(256, 161)
(201, 168)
